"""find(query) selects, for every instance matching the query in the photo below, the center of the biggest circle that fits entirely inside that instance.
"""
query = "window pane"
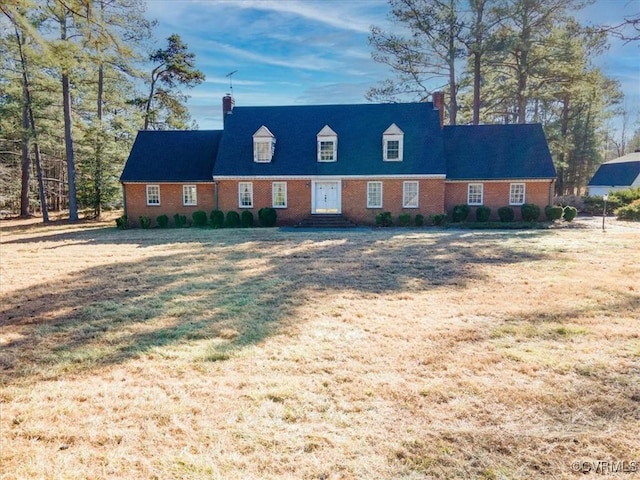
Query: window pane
(326, 151)
(474, 196)
(374, 195)
(410, 195)
(262, 151)
(245, 193)
(189, 195)
(279, 190)
(393, 149)
(516, 194)
(153, 194)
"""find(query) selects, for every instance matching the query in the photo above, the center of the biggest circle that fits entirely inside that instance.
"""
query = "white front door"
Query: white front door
(327, 197)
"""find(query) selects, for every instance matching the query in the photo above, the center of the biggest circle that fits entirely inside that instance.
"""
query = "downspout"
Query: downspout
(215, 194)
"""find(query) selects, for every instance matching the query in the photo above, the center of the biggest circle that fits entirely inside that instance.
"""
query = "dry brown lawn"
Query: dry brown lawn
(268, 354)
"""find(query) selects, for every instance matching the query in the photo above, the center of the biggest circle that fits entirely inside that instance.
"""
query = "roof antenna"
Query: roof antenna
(229, 75)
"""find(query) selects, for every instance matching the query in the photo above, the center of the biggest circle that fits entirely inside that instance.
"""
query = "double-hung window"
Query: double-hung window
(279, 194)
(410, 195)
(327, 145)
(393, 144)
(516, 194)
(264, 145)
(153, 194)
(189, 195)
(475, 194)
(245, 195)
(374, 194)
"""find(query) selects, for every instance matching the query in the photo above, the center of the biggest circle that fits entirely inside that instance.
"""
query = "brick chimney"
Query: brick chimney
(438, 104)
(227, 106)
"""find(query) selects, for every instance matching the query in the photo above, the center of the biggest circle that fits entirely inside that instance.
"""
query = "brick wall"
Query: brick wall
(496, 195)
(170, 201)
(354, 199)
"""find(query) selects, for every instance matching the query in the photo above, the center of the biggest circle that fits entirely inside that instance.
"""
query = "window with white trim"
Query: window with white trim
(245, 195)
(153, 194)
(374, 194)
(264, 145)
(410, 195)
(189, 195)
(393, 144)
(279, 194)
(475, 193)
(516, 194)
(327, 145)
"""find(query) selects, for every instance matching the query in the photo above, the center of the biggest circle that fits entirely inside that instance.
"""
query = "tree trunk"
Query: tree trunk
(26, 159)
(68, 138)
(97, 181)
(477, 62)
(32, 129)
(453, 93)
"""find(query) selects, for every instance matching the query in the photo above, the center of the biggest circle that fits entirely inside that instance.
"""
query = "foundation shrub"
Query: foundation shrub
(404, 219)
(246, 219)
(162, 221)
(122, 222)
(384, 219)
(233, 219)
(483, 214)
(505, 214)
(216, 219)
(419, 220)
(530, 212)
(438, 220)
(460, 213)
(267, 216)
(145, 222)
(180, 221)
(199, 218)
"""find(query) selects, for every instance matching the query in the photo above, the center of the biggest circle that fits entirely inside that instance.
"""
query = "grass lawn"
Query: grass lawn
(268, 354)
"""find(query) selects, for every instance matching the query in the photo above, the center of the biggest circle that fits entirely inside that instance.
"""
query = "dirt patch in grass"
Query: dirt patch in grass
(253, 354)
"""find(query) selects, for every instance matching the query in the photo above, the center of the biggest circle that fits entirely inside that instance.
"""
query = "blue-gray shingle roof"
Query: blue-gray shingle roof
(359, 129)
(496, 152)
(617, 173)
(172, 156)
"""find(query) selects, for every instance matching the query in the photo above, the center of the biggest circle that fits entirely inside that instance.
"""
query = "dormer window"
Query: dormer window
(393, 144)
(264, 145)
(327, 145)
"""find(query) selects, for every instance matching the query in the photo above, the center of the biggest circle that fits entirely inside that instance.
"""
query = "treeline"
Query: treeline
(512, 61)
(78, 78)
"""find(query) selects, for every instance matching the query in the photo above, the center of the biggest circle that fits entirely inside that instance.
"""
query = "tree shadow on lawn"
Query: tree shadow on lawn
(232, 292)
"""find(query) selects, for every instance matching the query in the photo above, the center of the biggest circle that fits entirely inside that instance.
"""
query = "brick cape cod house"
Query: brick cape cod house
(349, 160)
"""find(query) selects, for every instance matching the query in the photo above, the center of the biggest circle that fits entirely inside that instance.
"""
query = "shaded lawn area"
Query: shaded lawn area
(276, 354)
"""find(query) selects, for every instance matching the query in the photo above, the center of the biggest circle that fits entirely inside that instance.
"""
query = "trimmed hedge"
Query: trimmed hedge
(404, 219)
(629, 212)
(233, 219)
(216, 219)
(530, 212)
(180, 220)
(553, 212)
(439, 220)
(384, 219)
(419, 220)
(460, 213)
(505, 214)
(162, 221)
(145, 222)
(483, 214)
(268, 216)
(246, 219)
(569, 213)
(199, 218)
(122, 222)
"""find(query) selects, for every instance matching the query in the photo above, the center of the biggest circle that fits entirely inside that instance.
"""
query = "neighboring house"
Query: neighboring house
(618, 174)
(350, 160)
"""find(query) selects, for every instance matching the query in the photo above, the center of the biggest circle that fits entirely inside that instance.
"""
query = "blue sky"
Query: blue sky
(290, 52)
